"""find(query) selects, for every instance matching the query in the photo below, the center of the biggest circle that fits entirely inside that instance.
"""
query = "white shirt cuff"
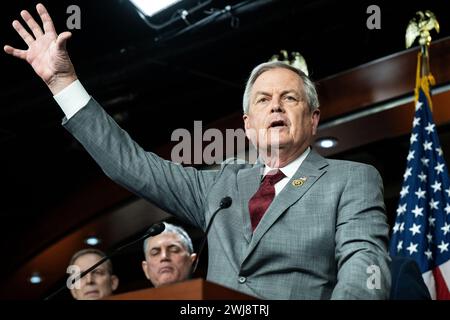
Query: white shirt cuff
(72, 98)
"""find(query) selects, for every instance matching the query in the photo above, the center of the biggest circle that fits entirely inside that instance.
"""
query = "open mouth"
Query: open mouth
(278, 124)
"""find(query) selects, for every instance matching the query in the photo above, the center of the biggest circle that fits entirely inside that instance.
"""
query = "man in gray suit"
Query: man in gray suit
(317, 232)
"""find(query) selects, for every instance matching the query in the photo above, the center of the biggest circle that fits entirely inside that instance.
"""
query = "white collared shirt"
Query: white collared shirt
(72, 98)
(288, 170)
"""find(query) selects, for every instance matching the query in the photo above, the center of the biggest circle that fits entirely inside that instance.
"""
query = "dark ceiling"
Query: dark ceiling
(153, 82)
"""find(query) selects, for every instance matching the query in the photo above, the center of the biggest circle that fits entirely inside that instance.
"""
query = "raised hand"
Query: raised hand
(46, 51)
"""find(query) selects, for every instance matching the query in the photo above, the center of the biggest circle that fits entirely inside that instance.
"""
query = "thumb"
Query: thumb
(62, 40)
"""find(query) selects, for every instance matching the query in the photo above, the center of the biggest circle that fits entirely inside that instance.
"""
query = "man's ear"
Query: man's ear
(144, 268)
(192, 257)
(73, 292)
(246, 122)
(315, 117)
(114, 282)
(249, 131)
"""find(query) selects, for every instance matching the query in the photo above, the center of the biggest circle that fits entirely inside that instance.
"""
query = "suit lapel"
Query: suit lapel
(248, 183)
(311, 169)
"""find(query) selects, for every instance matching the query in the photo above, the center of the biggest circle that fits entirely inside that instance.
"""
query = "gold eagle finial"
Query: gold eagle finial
(421, 25)
(297, 60)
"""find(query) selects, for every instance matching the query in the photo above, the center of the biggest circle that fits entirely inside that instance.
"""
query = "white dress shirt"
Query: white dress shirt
(288, 171)
(72, 98)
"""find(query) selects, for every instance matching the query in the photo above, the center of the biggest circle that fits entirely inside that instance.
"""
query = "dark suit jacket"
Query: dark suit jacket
(407, 282)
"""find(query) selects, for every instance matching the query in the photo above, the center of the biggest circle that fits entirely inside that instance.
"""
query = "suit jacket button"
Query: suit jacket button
(242, 279)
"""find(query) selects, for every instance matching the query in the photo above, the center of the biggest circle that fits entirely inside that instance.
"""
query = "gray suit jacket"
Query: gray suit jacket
(316, 241)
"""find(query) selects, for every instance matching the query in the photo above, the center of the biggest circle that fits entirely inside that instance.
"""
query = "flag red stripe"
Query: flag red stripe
(442, 292)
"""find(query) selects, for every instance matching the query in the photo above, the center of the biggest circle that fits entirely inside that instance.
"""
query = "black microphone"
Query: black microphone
(224, 203)
(154, 230)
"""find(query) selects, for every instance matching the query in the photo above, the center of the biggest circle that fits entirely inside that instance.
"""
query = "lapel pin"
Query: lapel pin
(299, 182)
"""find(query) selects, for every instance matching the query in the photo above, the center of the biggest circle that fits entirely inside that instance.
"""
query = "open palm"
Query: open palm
(46, 51)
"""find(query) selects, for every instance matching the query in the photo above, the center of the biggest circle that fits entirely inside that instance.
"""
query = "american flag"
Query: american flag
(422, 225)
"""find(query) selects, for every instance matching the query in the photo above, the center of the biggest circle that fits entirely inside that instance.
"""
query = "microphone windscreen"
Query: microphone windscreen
(225, 202)
(156, 229)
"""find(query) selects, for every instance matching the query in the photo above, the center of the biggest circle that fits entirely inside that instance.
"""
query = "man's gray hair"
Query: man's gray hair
(182, 235)
(309, 88)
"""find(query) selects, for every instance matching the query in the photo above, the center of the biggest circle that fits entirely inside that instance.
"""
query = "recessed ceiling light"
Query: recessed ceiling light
(326, 143)
(149, 8)
(35, 278)
(92, 241)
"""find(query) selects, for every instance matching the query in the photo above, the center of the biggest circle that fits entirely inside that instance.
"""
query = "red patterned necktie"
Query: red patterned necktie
(262, 199)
